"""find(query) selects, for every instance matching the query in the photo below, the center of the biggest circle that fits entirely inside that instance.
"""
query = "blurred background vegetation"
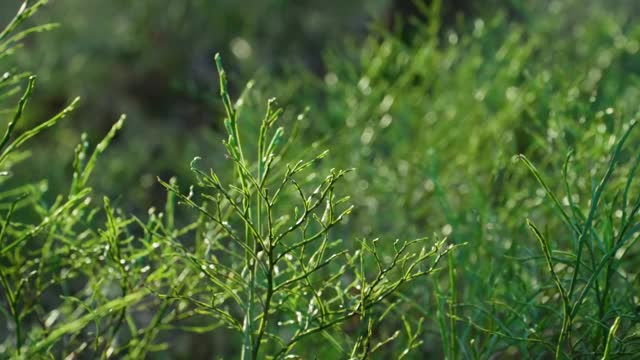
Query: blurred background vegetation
(430, 106)
(153, 60)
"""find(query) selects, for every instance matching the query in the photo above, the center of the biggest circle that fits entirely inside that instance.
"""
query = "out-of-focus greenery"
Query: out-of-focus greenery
(512, 136)
(152, 60)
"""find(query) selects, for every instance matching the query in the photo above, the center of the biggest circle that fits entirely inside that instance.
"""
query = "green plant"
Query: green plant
(273, 273)
(252, 262)
(50, 247)
(598, 245)
(511, 136)
(444, 117)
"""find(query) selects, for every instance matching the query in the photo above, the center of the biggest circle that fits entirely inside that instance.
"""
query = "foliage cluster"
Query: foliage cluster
(512, 142)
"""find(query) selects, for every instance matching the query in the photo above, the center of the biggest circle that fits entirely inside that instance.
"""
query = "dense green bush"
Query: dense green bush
(434, 127)
(513, 139)
(258, 259)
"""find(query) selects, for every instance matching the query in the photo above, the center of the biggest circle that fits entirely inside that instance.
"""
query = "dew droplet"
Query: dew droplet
(241, 48)
(385, 121)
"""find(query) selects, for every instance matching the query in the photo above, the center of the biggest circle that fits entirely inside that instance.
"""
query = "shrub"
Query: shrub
(258, 261)
(514, 138)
